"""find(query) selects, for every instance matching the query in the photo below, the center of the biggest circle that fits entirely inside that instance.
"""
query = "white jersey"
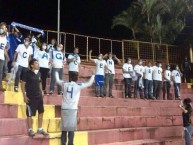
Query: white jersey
(157, 73)
(100, 66)
(43, 59)
(167, 75)
(139, 69)
(74, 65)
(23, 55)
(148, 71)
(71, 93)
(3, 44)
(58, 59)
(111, 66)
(50, 48)
(176, 76)
(127, 67)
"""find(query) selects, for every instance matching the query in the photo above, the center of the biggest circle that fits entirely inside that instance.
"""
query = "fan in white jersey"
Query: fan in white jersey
(43, 58)
(70, 99)
(167, 82)
(101, 65)
(22, 56)
(148, 82)
(139, 70)
(3, 51)
(109, 76)
(127, 74)
(74, 63)
(157, 80)
(176, 76)
(58, 59)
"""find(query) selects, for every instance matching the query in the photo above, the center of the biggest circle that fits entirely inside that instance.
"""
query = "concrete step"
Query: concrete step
(81, 138)
(122, 135)
(163, 141)
(95, 123)
(8, 110)
(107, 111)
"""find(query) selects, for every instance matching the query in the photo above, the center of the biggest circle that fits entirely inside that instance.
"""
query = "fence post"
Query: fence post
(138, 57)
(123, 53)
(47, 37)
(167, 55)
(191, 59)
(111, 46)
(99, 45)
(87, 48)
(153, 51)
(65, 41)
(74, 40)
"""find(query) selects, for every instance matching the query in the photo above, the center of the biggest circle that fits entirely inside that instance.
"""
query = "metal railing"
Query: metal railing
(122, 48)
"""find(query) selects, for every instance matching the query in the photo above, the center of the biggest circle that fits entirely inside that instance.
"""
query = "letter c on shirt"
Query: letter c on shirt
(24, 54)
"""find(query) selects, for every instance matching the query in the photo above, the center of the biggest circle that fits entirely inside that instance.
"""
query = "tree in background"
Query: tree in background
(155, 20)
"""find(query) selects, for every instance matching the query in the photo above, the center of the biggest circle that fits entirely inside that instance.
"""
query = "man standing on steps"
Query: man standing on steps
(33, 96)
(69, 107)
(22, 56)
(3, 52)
(74, 63)
(109, 76)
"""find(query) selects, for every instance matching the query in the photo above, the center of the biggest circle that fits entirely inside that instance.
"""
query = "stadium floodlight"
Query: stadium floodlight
(58, 29)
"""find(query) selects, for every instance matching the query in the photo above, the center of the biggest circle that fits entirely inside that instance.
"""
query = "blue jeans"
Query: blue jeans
(148, 88)
(136, 87)
(177, 89)
(1, 70)
(70, 137)
(128, 82)
(188, 134)
(20, 72)
(53, 79)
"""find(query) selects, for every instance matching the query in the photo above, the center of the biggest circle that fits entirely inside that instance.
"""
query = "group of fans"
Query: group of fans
(51, 57)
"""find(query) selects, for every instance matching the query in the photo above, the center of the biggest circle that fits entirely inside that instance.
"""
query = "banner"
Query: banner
(27, 27)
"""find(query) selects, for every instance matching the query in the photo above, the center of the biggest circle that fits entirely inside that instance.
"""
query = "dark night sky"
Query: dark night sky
(90, 17)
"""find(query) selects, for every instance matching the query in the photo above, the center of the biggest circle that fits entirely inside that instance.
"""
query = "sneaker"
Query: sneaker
(51, 92)
(2, 89)
(31, 133)
(45, 93)
(60, 93)
(15, 89)
(41, 131)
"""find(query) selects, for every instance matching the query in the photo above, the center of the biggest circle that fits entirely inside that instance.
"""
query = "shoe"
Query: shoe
(31, 133)
(51, 92)
(2, 89)
(41, 131)
(60, 93)
(178, 98)
(45, 93)
(102, 96)
(16, 89)
(111, 96)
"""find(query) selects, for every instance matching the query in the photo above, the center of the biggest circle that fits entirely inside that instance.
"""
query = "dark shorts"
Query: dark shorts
(33, 106)
(99, 80)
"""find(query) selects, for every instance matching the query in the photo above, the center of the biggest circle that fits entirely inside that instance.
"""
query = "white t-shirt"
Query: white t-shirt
(74, 65)
(176, 76)
(111, 66)
(100, 66)
(23, 55)
(139, 69)
(157, 73)
(43, 59)
(58, 59)
(127, 67)
(3, 44)
(148, 71)
(167, 75)
(71, 93)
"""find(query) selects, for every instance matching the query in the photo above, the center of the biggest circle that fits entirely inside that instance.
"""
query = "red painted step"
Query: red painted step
(23, 140)
(121, 135)
(8, 111)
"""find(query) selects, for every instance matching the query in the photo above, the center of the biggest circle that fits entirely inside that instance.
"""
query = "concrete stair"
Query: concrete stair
(101, 121)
